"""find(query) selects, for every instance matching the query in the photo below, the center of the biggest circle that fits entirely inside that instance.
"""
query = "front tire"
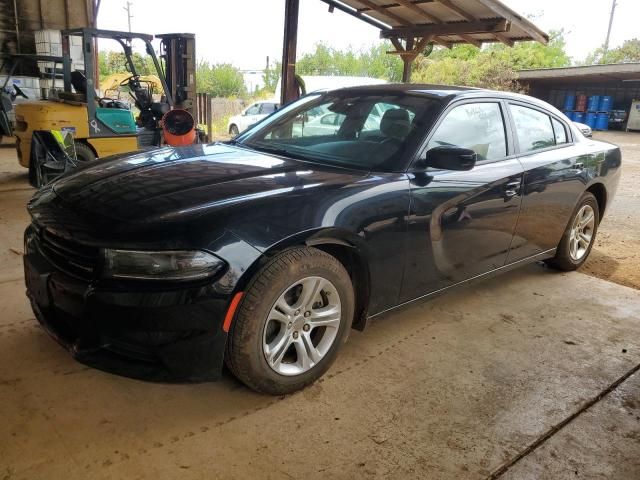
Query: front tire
(84, 153)
(233, 130)
(579, 236)
(295, 315)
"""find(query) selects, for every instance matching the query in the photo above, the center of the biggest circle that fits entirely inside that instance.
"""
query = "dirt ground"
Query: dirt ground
(616, 254)
(472, 385)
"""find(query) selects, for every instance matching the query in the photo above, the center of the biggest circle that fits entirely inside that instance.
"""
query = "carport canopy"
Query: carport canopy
(411, 25)
(618, 72)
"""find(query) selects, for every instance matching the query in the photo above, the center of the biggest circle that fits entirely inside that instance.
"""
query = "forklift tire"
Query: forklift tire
(84, 153)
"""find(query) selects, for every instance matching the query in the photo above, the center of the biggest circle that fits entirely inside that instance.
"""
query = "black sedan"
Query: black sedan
(265, 251)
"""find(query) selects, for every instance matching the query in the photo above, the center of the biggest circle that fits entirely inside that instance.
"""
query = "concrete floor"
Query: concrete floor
(531, 375)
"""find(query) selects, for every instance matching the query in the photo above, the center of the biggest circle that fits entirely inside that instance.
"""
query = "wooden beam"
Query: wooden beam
(469, 39)
(393, 4)
(407, 61)
(521, 23)
(288, 91)
(396, 43)
(485, 26)
(470, 18)
(460, 11)
(354, 12)
(416, 9)
(504, 39)
(442, 43)
(384, 12)
(422, 44)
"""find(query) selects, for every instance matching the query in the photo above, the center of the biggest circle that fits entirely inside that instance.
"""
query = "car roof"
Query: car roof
(445, 92)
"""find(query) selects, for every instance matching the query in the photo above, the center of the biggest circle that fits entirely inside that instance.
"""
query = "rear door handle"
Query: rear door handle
(512, 189)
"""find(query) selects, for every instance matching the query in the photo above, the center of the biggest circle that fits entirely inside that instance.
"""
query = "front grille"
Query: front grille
(75, 259)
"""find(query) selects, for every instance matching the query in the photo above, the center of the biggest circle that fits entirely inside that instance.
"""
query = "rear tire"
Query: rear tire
(579, 236)
(280, 342)
(233, 130)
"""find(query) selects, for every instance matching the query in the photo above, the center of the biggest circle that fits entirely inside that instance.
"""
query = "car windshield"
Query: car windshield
(372, 132)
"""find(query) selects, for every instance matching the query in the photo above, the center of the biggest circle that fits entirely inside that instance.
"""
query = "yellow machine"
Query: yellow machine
(106, 126)
(111, 85)
(100, 126)
(58, 115)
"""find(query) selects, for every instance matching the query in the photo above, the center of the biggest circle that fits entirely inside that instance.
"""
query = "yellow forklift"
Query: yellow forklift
(107, 126)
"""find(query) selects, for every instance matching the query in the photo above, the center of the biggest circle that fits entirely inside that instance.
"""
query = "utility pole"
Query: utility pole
(129, 16)
(606, 42)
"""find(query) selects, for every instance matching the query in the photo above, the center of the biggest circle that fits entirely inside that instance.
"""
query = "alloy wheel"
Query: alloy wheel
(582, 232)
(302, 326)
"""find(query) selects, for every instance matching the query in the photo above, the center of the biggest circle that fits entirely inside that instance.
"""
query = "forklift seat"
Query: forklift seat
(79, 82)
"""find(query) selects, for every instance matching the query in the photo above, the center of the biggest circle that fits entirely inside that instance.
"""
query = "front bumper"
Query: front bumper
(169, 333)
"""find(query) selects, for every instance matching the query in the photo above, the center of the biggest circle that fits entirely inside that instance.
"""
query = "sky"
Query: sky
(245, 32)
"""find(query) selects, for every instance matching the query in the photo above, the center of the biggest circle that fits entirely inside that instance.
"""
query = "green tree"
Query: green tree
(526, 55)
(270, 77)
(372, 62)
(629, 51)
(485, 71)
(493, 66)
(220, 80)
(110, 62)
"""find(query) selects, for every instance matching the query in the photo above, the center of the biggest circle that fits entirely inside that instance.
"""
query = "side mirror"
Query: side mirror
(450, 158)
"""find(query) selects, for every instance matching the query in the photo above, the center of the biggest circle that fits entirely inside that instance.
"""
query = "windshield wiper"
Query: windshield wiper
(276, 151)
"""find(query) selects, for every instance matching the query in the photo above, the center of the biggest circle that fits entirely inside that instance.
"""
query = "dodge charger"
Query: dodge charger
(262, 253)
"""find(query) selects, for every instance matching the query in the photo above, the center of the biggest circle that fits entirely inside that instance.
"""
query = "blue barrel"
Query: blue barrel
(593, 104)
(570, 115)
(590, 119)
(578, 117)
(606, 102)
(569, 102)
(602, 121)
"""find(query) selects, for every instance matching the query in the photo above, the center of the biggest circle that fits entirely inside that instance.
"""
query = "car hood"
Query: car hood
(175, 183)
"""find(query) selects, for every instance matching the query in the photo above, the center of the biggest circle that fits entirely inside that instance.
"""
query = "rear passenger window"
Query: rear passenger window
(559, 131)
(478, 126)
(267, 108)
(533, 128)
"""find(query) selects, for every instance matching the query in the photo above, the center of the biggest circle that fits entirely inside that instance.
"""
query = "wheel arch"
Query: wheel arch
(345, 246)
(599, 191)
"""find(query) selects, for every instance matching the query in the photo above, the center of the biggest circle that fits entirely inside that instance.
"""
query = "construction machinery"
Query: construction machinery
(103, 126)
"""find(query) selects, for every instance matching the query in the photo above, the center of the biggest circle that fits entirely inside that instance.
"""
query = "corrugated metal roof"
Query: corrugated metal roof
(613, 72)
(447, 22)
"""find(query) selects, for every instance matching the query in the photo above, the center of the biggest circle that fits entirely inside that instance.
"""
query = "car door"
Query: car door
(555, 176)
(461, 223)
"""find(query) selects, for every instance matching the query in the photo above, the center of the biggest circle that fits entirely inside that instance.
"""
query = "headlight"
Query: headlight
(163, 265)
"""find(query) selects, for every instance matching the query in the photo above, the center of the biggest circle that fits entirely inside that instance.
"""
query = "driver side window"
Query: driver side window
(253, 110)
(478, 126)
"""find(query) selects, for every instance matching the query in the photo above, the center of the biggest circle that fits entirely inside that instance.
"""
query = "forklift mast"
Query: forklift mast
(125, 40)
(178, 50)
